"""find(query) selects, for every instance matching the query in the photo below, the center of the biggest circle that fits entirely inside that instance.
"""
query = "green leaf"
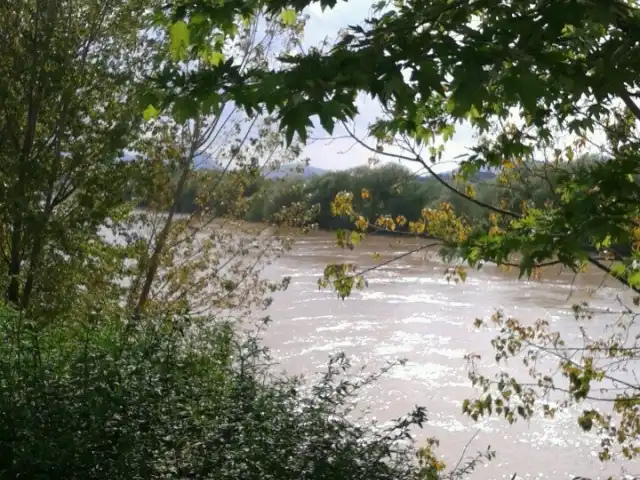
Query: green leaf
(198, 18)
(179, 39)
(216, 58)
(473, 256)
(447, 132)
(289, 133)
(219, 39)
(617, 269)
(605, 243)
(185, 109)
(150, 112)
(634, 278)
(289, 16)
(327, 121)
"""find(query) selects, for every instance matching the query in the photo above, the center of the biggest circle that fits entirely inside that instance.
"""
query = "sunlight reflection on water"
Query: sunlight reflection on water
(410, 311)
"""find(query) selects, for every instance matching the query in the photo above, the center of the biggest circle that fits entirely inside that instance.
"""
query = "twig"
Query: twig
(441, 180)
(464, 450)
(391, 260)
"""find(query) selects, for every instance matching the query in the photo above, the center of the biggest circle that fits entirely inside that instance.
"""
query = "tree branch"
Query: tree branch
(607, 270)
(450, 187)
(398, 257)
(631, 105)
(469, 198)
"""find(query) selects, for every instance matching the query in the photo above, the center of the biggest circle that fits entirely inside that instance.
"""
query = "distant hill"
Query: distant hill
(206, 162)
(203, 163)
(311, 171)
(291, 170)
(482, 175)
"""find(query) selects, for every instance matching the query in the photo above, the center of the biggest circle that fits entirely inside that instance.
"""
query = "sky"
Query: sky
(340, 153)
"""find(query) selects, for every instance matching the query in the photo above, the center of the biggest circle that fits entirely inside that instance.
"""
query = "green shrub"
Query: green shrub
(92, 397)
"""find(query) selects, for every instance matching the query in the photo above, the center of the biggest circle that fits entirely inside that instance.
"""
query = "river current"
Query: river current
(411, 311)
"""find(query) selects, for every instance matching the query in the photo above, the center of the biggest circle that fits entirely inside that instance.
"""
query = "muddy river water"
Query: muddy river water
(409, 310)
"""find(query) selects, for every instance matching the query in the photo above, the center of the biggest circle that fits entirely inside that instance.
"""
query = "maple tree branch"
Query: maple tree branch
(631, 105)
(417, 158)
(607, 270)
(453, 189)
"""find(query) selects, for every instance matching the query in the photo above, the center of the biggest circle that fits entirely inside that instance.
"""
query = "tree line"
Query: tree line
(390, 189)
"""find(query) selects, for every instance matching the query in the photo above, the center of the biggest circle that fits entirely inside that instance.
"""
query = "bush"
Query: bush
(94, 397)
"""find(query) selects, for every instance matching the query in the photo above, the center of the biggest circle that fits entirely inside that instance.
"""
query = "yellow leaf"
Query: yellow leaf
(289, 16)
(216, 58)
(365, 194)
(362, 223)
(569, 153)
(470, 191)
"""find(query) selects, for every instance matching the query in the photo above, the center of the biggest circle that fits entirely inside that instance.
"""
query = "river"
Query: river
(409, 310)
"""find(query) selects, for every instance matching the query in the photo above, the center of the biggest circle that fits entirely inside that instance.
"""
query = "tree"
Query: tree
(480, 65)
(522, 75)
(71, 78)
(201, 260)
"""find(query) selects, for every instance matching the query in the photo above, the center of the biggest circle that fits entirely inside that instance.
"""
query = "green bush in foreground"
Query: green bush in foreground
(93, 397)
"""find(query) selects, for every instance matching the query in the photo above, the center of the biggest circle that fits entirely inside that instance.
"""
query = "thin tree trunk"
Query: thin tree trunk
(154, 261)
(17, 246)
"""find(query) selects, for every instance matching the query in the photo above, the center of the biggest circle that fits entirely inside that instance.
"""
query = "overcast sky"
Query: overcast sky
(341, 153)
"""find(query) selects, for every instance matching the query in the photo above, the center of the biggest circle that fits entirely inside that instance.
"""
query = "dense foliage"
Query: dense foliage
(129, 341)
(392, 189)
(95, 397)
(540, 85)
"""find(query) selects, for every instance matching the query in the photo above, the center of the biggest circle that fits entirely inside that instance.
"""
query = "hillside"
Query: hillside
(307, 171)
